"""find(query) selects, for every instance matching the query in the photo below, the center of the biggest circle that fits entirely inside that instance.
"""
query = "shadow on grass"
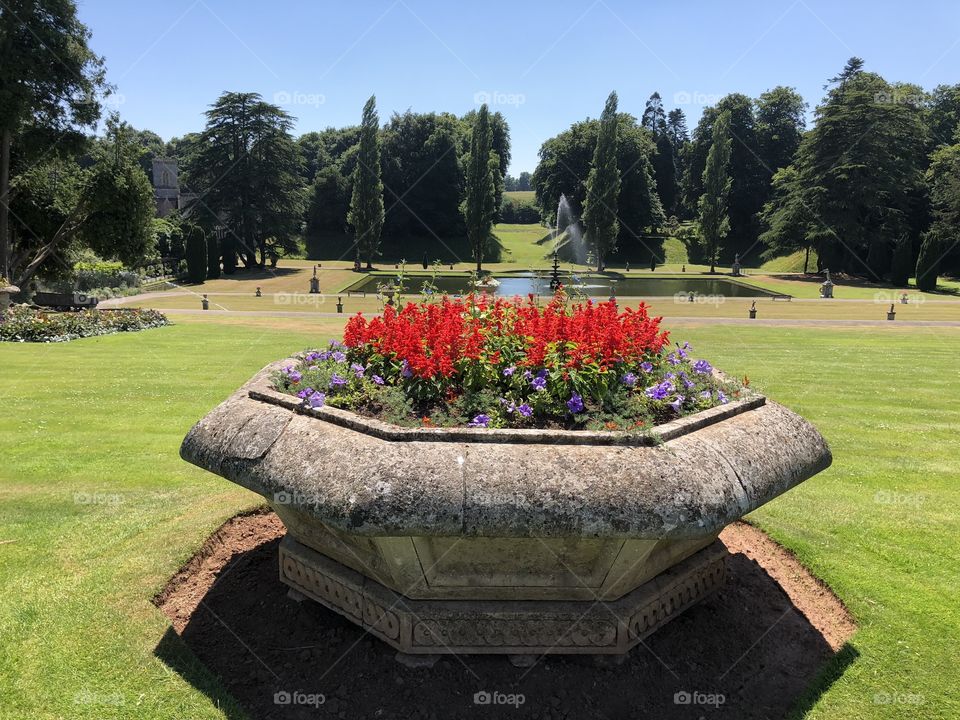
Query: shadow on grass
(830, 673)
(176, 654)
(746, 645)
(261, 273)
(843, 280)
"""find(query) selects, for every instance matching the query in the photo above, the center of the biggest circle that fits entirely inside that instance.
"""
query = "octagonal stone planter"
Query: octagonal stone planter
(503, 541)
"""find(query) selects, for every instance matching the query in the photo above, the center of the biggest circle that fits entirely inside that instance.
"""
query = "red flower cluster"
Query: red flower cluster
(436, 339)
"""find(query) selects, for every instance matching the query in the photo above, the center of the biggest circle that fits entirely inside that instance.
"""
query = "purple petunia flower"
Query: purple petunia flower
(678, 403)
(358, 369)
(687, 382)
(673, 359)
(661, 391)
(575, 403)
(525, 410)
(508, 371)
(527, 374)
(294, 376)
(337, 381)
(480, 420)
(542, 373)
(646, 367)
(305, 393)
(722, 398)
(311, 356)
(377, 380)
(629, 379)
(316, 400)
(703, 367)
(405, 370)
(338, 356)
(706, 394)
(539, 384)
(325, 355)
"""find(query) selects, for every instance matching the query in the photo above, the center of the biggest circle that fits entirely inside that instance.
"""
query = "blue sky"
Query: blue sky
(544, 65)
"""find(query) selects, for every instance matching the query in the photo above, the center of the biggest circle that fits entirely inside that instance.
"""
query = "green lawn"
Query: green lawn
(522, 197)
(97, 510)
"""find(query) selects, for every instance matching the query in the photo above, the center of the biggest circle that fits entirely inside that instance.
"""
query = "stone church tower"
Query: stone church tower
(166, 186)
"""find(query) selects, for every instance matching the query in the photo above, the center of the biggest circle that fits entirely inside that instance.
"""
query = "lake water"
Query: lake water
(595, 286)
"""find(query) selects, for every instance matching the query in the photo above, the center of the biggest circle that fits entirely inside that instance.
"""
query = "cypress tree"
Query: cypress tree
(714, 218)
(196, 252)
(902, 262)
(479, 205)
(603, 186)
(366, 204)
(928, 263)
(213, 258)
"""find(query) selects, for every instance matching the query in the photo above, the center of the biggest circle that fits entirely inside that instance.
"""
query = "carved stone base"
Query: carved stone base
(519, 627)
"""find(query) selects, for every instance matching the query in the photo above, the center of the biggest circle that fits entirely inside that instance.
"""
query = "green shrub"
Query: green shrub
(102, 274)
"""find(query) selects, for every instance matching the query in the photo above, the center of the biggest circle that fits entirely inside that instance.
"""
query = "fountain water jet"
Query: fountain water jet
(568, 239)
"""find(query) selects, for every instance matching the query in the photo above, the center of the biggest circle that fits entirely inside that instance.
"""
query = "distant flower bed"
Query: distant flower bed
(21, 324)
(481, 362)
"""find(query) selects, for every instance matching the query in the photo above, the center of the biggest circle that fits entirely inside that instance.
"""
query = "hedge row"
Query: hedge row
(21, 324)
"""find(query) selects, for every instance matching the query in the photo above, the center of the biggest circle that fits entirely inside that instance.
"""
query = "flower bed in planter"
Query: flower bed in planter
(22, 324)
(523, 534)
(498, 363)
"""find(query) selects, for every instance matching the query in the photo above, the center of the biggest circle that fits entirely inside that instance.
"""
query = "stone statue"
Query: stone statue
(736, 265)
(826, 288)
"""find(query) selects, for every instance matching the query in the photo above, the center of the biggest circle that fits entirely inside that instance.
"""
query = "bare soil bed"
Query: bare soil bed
(748, 651)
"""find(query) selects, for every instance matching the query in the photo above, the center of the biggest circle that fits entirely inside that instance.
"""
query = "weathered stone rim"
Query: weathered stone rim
(261, 390)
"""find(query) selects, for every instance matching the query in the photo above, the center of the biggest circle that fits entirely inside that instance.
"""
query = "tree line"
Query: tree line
(871, 189)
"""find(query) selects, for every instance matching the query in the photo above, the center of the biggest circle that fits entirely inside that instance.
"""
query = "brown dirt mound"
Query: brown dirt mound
(756, 644)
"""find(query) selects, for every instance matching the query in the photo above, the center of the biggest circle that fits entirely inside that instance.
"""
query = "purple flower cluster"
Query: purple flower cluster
(661, 391)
